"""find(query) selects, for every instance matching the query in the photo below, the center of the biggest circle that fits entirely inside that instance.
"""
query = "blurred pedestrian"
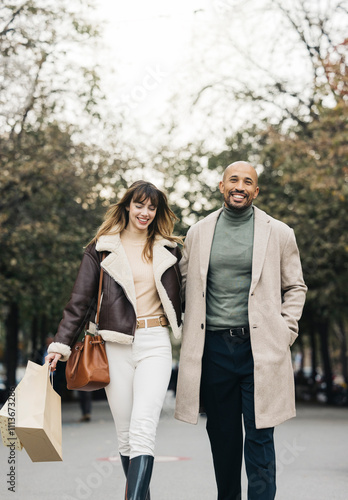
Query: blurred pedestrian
(174, 378)
(141, 297)
(85, 400)
(244, 294)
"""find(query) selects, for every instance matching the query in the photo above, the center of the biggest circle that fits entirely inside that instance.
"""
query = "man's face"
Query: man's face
(239, 186)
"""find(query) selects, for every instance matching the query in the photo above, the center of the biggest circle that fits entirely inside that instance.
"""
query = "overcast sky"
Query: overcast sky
(159, 49)
(148, 43)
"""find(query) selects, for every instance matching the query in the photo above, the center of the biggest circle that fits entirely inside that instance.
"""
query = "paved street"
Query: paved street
(312, 459)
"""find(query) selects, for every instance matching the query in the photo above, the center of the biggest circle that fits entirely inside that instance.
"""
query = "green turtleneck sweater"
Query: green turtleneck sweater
(229, 274)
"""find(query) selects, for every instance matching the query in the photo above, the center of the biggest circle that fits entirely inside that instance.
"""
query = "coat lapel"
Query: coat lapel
(206, 235)
(117, 265)
(262, 230)
(162, 258)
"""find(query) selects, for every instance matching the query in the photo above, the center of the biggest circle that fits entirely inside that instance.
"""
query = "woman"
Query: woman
(141, 296)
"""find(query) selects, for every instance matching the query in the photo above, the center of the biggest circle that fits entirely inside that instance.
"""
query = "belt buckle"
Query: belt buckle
(138, 324)
(160, 319)
(242, 329)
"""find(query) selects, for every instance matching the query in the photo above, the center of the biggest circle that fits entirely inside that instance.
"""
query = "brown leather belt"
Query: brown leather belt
(152, 322)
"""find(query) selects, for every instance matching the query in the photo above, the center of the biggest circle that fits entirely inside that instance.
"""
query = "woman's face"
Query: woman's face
(141, 214)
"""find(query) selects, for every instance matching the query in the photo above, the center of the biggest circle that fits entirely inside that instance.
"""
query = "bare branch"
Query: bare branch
(32, 98)
(206, 87)
(6, 29)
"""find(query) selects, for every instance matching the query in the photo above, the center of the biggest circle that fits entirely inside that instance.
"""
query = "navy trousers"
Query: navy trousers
(227, 393)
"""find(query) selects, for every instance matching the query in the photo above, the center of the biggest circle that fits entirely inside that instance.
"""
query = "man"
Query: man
(244, 293)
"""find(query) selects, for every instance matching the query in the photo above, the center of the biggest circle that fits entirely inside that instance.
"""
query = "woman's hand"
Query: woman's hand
(53, 358)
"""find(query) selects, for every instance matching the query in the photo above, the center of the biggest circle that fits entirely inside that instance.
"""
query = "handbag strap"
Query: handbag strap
(100, 290)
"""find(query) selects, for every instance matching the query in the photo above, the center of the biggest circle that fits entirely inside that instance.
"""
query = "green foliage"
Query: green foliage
(191, 181)
(50, 207)
(192, 175)
(310, 165)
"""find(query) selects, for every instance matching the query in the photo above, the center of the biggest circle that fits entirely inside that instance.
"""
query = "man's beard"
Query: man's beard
(247, 199)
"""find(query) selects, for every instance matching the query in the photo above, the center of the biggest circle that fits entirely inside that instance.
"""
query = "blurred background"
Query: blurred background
(95, 95)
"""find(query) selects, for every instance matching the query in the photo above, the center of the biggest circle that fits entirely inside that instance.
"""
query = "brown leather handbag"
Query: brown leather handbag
(87, 368)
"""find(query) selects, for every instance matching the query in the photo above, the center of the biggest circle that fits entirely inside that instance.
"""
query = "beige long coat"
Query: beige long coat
(276, 298)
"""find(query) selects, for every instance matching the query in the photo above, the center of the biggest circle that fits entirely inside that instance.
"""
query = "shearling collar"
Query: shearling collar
(116, 264)
(111, 242)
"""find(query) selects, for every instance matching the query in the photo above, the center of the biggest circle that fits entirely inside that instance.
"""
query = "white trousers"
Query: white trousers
(139, 378)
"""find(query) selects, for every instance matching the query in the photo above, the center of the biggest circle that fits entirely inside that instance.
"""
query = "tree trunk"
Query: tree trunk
(43, 330)
(11, 349)
(34, 337)
(324, 335)
(344, 350)
(299, 343)
(314, 361)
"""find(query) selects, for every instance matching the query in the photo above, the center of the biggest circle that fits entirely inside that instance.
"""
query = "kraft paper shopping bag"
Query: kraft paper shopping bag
(38, 415)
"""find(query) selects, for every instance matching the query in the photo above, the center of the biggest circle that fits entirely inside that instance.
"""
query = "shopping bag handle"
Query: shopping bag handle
(50, 373)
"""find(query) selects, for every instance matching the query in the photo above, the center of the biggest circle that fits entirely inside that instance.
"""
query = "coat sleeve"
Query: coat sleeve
(81, 305)
(293, 287)
(183, 264)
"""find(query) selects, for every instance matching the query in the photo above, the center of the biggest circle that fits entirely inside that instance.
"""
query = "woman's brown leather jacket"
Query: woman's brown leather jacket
(117, 322)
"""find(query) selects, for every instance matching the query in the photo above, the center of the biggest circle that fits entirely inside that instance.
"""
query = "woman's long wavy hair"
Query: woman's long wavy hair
(117, 216)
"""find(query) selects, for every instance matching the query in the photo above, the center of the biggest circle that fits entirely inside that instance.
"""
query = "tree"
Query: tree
(43, 75)
(257, 60)
(51, 179)
(50, 206)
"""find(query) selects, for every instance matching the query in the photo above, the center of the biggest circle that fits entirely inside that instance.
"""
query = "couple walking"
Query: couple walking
(239, 281)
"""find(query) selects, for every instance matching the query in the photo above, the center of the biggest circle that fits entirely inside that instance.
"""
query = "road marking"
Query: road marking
(157, 459)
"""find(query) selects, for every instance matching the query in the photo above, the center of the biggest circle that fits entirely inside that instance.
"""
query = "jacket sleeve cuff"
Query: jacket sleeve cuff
(60, 348)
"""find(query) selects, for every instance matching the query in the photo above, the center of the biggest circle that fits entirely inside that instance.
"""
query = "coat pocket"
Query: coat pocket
(289, 335)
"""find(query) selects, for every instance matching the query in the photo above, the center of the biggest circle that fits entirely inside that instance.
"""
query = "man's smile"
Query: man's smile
(237, 196)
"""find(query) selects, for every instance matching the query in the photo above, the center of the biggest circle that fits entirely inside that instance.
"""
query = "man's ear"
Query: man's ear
(257, 190)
